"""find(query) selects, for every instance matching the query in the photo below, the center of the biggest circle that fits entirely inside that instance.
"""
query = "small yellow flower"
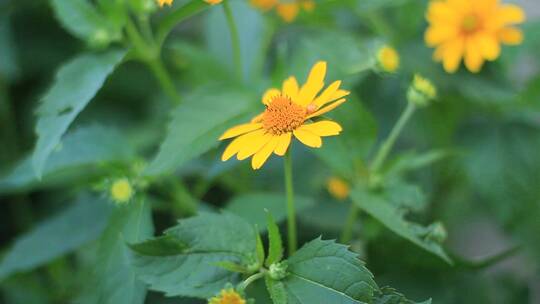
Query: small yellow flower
(388, 59)
(227, 296)
(472, 30)
(287, 10)
(288, 112)
(338, 188)
(213, 2)
(121, 191)
(421, 91)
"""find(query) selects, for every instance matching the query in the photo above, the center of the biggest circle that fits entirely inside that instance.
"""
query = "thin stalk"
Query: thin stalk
(250, 280)
(164, 79)
(291, 212)
(235, 38)
(347, 233)
(387, 145)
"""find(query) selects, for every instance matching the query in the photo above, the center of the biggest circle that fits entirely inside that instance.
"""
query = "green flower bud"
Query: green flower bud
(278, 271)
(421, 91)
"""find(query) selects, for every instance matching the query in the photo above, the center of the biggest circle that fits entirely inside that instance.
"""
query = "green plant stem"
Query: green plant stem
(387, 145)
(250, 280)
(235, 38)
(291, 212)
(164, 79)
(172, 19)
(347, 233)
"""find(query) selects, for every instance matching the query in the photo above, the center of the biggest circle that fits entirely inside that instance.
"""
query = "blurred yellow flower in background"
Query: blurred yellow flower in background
(388, 59)
(121, 191)
(227, 296)
(287, 10)
(161, 3)
(472, 30)
(288, 112)
(338, 188)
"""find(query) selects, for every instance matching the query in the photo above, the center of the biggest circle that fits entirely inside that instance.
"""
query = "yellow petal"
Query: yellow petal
(489, 46)
(327, 94)
(453, 52)
(511, 36)
(269, 95)
(473, 57)
(238, 143)
(260, 157)
(314, 83)
(288, 11)
(307, 138)
(509, 14)
(290, 88)
(323, 128)
(253, 146)
(327, 108)
(439, 34)
(283, 144)
(240, 129)
(440, 12)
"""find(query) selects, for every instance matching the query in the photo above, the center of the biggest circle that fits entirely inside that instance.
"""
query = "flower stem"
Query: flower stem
(387, 145)
(291, 213)
(164, 79)
(235, 38)
(346, 235)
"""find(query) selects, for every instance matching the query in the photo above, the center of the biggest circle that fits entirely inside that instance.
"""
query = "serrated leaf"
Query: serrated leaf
(196, 125)
(277, 290)
(76, 83)
(327, 272)
(115, 280)
(392, 217)
(77, 158)
(253, 206)
(81, 18)
(78, 224)
(209, 239)
(275, 248)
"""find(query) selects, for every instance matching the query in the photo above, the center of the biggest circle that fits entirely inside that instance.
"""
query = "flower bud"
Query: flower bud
(338, 188)
(278, 271)
(421, 91)
(388, 59)
(437, 232)
(121, 191)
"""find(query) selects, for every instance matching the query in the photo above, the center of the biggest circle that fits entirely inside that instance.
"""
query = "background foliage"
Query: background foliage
(79, 108)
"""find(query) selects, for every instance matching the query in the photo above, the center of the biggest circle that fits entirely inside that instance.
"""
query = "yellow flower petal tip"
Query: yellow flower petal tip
(388, 59)
(162, 3)
(287, 114)
(338, 188)
(227, 296)
(421, 91)
(121, 191)
(213, 2)
(471, 31)
(288, 10)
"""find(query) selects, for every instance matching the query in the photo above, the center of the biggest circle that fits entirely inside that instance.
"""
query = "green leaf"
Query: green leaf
(196, 126)
(115, 280)
(254, 206)
(260, 250)
(393, 218)
(76, 83)
(387, 295)
(233, 267)
(327, 272)
(192, 272)
(80, 223)
(277, 290)
(75, 159)
(275, 251)
(82, 20)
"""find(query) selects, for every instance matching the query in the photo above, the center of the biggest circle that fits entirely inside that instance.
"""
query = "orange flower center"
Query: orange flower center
(470, 23)
(282, 115)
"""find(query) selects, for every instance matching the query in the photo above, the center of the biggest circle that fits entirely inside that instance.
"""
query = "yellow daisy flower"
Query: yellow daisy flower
(338, 188)
(472, 30)
(227, 296)
(287, 10)
(388, 59)
(288, 112)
